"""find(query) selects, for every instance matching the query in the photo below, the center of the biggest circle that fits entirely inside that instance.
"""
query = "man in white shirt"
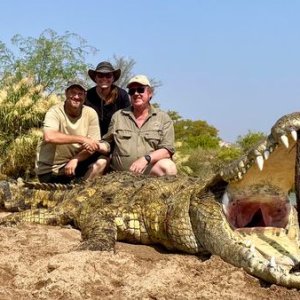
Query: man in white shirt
(70, 147)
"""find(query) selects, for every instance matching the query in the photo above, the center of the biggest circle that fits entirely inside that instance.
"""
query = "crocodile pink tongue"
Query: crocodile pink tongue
(249, 213)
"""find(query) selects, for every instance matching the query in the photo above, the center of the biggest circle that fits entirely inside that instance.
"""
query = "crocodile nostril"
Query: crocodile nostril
(295, 269)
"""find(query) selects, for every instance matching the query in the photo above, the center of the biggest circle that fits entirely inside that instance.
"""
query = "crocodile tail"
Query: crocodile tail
(49, 186)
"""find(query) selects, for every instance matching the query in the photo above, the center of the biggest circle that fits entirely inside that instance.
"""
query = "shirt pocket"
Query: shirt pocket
(124, 142)
(153, 138)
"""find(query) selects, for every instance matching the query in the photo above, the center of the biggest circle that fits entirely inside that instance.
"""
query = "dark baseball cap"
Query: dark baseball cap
(78, 83)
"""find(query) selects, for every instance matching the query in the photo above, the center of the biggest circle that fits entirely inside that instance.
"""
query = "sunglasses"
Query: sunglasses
(72, 94)
(139, 90)
(104, 75)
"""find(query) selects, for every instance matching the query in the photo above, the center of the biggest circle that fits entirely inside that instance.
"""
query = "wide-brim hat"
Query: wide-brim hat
(104, 67)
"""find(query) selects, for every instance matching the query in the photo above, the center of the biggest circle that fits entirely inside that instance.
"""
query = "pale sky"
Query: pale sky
(234, 64)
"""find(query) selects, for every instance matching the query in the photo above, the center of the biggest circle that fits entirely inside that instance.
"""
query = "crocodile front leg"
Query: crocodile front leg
(99, 233)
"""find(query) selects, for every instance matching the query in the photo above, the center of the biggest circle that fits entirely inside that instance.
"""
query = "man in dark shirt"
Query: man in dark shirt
(106, 97)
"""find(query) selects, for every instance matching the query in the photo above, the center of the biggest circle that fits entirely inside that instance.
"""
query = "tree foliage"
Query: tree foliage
(174, 115)
(249, 140)
(126, 65)
(195, 134)
(50, 60)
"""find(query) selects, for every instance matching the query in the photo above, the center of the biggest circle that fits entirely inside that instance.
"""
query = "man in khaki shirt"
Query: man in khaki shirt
(70, 147)
(142, 136)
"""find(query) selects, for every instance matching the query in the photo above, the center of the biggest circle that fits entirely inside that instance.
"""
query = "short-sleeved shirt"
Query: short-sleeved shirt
(131, 142)
(105, 111)
(52, 157)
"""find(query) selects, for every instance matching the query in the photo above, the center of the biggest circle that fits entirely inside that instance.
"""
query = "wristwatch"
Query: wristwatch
(148, 159)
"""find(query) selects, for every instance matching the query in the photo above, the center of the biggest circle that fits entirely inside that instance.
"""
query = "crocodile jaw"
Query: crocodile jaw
(269, 253)
(261, 227)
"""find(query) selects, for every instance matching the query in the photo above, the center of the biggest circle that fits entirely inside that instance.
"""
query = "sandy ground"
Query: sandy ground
(41, 262)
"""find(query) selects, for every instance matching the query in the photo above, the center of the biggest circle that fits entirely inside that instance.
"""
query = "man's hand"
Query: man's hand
(90, 145)
(71, 166)
(139, 166)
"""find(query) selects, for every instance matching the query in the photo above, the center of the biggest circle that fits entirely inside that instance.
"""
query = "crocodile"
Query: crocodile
(242, 213)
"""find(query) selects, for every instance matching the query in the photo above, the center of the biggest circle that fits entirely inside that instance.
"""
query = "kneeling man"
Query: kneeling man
(141, 135)
(70, 148)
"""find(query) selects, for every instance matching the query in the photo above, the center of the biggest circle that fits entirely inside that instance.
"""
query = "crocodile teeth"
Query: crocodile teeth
(266, 154)
(241, 164)
(248, 243)
(225, 199)
(294, 135)
(272, 262)
(257, 152)
(260, 162)
(285, 141)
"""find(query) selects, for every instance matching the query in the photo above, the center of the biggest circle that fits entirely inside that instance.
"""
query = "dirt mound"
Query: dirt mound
(41, 262)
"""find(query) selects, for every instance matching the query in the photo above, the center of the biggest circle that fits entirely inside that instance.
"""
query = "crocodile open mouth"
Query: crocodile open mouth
(260, 211)
(257, 195)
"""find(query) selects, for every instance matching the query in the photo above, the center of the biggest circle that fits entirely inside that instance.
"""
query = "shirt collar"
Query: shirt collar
(127, 111)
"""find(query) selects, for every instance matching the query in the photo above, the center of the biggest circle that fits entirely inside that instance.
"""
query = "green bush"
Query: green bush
(249, 140)
(204, 141)
(203, 161)
(20, 155)
(22, 109)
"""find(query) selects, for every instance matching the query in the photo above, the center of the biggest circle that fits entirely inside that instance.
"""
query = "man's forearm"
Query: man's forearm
(159, 154)
(104, 147)
(56, 137)
(82, 155)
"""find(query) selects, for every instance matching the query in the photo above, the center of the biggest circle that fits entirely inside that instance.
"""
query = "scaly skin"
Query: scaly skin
(242, 214)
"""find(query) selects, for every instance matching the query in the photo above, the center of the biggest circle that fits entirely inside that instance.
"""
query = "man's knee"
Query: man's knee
(163, 167)
(100, 165)
(170, 167)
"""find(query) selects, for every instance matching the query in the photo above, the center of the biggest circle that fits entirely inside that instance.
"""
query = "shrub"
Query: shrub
(22, 109)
